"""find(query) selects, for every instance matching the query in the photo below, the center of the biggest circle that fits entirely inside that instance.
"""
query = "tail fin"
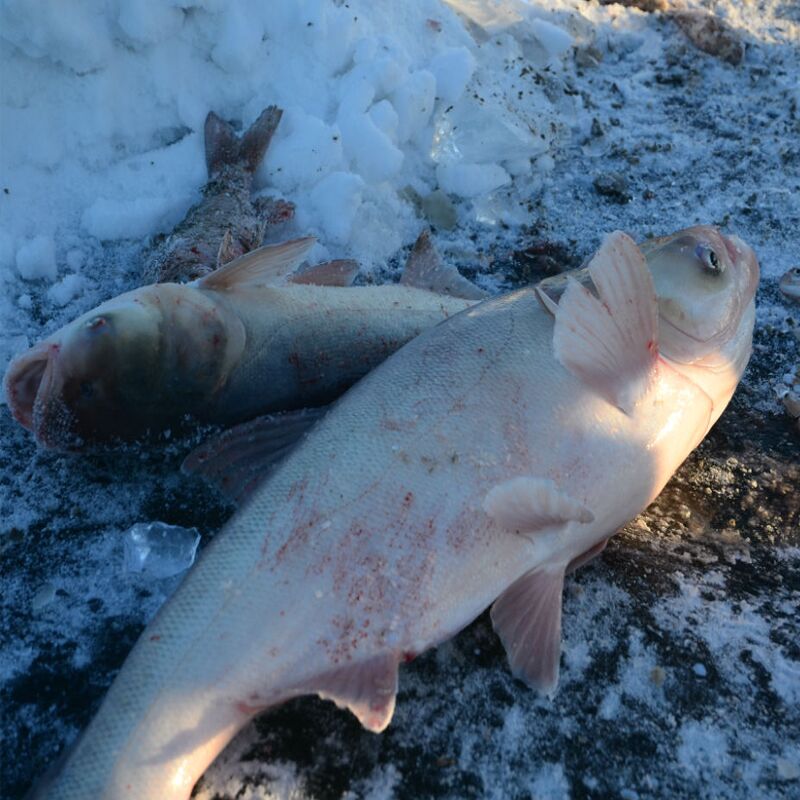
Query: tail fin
(223, 146)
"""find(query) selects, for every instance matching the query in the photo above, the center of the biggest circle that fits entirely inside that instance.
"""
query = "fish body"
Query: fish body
(789, 284)
(476, 465)
(227, 222)
(241, 342)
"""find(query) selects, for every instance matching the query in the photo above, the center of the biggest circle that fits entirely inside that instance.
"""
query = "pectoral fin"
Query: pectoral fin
(611, 343)
(527, 504)
(527, 618)
(236, 461)
(426, 270)
(367, 689)
(266, 266)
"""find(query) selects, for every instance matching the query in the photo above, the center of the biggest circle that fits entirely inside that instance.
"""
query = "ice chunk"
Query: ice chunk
(479, 134)
(471, 180)
(133, 218)
(452, 69)
(66, 289)
(553, 39)
(385, 117)
(336, 199)
(36, 259)
(7, 251)
(160, 550)
(238, 45)
(304, 151)
(375, 157)
(413, 100)
(148, 22)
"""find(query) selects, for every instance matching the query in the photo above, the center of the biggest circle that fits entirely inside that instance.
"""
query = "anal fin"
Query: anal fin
(527, 618)
(236, 461)
(526, 504)
(368, 689)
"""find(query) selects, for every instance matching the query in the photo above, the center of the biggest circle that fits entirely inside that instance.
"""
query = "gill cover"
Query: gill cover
(703, 281)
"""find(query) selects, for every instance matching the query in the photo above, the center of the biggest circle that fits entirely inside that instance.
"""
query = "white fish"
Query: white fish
(475, 466)
(249, 338)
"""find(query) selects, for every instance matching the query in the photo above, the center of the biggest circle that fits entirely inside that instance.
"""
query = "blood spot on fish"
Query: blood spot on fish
(155, 638)
(408, 499)
(408, 657)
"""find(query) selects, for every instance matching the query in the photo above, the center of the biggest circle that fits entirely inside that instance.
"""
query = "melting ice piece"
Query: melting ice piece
(160, 550)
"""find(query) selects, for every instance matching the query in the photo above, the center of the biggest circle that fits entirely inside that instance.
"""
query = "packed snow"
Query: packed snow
(515, 129)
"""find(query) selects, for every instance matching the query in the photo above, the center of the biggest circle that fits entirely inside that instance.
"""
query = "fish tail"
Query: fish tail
(223, 146)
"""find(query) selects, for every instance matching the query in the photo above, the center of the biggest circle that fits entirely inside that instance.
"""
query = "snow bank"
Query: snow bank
(103, 108)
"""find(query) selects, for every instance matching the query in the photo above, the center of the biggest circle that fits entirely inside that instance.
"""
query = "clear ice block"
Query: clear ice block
(160, 550)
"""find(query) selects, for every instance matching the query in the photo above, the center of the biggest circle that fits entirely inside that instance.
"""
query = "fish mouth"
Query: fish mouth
(32, 388)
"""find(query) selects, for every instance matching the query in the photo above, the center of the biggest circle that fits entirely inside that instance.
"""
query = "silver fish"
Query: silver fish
(247, 339)
(227, 222)
(476, 466)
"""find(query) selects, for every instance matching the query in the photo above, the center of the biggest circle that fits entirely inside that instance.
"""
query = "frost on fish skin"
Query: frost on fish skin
(226, 223)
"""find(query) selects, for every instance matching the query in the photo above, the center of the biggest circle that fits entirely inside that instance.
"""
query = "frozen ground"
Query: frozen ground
(681, 668)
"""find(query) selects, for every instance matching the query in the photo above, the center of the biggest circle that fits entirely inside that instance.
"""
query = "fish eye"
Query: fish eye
(708, 259)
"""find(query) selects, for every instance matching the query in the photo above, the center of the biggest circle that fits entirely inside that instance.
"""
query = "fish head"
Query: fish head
(705, 283)
(789, 283)
(92, 378)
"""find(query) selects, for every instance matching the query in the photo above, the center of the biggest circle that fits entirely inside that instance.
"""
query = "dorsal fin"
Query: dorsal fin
(265, 266)
(425, 270)
(341, 272)
(611, 343)
(237, 460)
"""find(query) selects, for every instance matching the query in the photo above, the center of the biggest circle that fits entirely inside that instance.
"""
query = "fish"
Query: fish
(254, 336)
(789, 284)
(475, 467)
(227, 222)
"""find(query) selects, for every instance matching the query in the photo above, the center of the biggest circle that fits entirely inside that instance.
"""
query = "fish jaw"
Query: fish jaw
(32, 385)
(23, 380)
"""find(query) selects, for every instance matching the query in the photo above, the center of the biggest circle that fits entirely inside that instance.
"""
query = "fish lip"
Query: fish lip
(23, 381)
(32, 385)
